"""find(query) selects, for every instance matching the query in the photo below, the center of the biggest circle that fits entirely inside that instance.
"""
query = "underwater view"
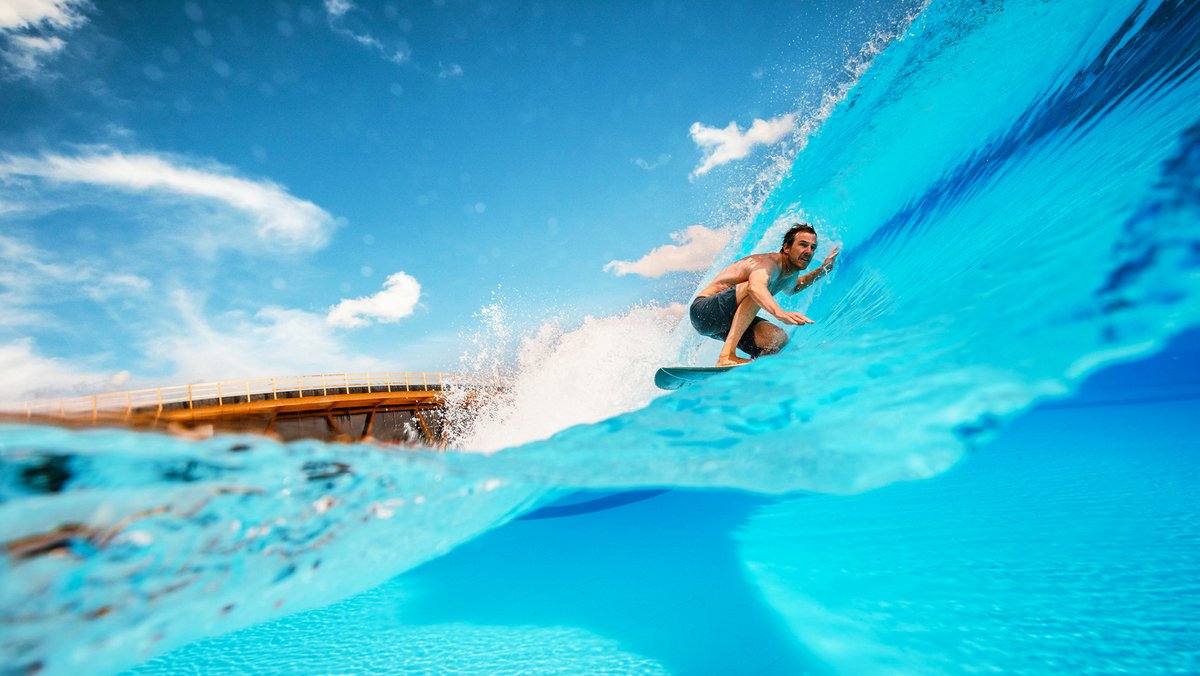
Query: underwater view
(983, 456)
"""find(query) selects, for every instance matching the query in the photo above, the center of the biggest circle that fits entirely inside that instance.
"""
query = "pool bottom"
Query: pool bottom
(651, 587)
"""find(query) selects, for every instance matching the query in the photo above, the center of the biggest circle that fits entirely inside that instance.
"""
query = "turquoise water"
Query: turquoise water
(1015, 188)
(1067, 545)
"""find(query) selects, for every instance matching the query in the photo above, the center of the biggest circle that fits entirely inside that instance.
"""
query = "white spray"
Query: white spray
(561, 377)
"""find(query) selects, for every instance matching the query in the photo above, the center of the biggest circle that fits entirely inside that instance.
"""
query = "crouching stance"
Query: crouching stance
(727, 309)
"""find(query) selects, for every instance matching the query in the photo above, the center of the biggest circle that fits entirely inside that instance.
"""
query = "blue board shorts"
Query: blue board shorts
(713, 315)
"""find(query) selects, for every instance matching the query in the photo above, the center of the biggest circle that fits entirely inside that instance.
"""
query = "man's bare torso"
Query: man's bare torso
(739, 271)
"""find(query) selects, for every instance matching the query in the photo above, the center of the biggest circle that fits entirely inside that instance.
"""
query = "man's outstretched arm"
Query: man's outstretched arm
(806, 281)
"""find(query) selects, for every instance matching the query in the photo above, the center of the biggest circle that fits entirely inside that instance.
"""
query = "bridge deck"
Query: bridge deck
(260, 405)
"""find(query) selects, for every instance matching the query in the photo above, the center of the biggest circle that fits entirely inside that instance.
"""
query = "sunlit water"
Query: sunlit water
(1015, 188)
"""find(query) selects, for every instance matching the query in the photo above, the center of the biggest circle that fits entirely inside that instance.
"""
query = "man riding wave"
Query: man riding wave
(727, 308)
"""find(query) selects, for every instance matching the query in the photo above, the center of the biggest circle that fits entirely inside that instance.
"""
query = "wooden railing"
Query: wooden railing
(255, 389)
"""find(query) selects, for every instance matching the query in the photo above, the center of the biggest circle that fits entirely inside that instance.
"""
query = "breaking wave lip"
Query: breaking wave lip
(740, 211)
(560, 377)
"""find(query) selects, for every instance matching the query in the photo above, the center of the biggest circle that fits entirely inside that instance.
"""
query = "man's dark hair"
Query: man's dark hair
(791, 234)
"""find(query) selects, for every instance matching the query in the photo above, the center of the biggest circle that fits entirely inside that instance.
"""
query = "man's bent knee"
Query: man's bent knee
(769, 338)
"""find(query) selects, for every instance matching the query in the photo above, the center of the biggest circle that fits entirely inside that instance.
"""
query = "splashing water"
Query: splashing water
(563, 378)
(1017, 192)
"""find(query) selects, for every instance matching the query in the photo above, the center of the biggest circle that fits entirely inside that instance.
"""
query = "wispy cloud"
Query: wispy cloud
(696, 248)
(731, 143)
(186, 342)
(29, 276)
(279, 220)
(452, 70)
(337, 8)
(32, 281)
(31, 31)
(106, 286)
(396, 301)
(660, 161)
(25, 375)
(27, 52)
(274, 341)
(342, 13)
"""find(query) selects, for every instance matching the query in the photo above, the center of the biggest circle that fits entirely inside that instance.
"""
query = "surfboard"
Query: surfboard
(675, 377)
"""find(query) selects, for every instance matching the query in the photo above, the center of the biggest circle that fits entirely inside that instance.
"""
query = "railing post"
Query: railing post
(274, 392)
(247, 390)
(346, 383)
(190, 405)
(324, 386)
(220, 399)
(389, 381)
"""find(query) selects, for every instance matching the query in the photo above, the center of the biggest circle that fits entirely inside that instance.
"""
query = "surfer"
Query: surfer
(727, 309)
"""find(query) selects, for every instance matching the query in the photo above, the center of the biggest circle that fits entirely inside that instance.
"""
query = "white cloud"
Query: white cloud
(731, 143)
(27, 375)
(27, 52)
(30, 30)
(337, 8)
(396, 301)
(274, 341)
(279, 220)
(453, 70)
(17, 14)
(697, 247)
(341, 12)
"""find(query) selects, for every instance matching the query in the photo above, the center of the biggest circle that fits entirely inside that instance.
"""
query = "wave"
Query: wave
(1015, 190)
(1007, 228)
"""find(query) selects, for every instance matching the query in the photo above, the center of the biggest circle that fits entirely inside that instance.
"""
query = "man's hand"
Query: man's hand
(831, 259)
(806, 281)
(792, 318)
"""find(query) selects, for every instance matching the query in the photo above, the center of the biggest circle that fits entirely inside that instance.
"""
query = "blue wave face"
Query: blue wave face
(1015, 190)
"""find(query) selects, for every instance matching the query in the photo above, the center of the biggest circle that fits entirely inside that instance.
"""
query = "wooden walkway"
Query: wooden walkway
(262, 404)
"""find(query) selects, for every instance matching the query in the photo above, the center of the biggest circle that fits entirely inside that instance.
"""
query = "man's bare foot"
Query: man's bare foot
(733, 360)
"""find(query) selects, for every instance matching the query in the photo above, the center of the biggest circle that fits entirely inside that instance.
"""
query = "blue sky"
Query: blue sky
(195, 190)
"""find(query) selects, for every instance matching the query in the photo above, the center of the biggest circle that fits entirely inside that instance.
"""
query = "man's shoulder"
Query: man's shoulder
(742, 268)
(765, 260)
